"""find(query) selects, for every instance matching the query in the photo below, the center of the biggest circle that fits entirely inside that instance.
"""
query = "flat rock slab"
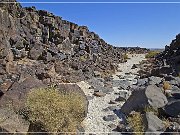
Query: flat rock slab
(155, 80)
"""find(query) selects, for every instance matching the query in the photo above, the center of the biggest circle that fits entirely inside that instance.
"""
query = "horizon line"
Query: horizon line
(78, 2)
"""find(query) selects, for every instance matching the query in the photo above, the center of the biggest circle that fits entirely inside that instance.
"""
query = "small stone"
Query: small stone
(110, 118)
(99, 94)
(120, 99)
(121, 128)
(112, 102)
(90, 98)
(112, 126)
(91, 87)
(112, 108)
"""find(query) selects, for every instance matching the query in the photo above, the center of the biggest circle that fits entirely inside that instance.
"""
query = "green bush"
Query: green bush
(151, 54)
(54, 110)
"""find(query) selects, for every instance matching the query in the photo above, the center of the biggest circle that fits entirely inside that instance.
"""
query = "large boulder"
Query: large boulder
(12, 101)
(162, 70)
(173, 108)
(141, 98)
(17, 94)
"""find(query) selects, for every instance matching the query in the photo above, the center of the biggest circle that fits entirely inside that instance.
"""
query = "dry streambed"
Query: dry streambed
(107, 96)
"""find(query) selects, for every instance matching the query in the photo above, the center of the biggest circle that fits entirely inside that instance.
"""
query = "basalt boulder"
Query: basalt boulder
(141, 98)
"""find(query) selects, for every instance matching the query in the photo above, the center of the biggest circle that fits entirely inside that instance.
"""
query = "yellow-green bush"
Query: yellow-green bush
(83, 58)
(125, 56)
(135, 120)
(151, 109)
(151, 54)
(166, 85)
(54, 110)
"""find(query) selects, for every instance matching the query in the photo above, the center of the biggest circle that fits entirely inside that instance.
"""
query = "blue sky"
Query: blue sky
(144, 25)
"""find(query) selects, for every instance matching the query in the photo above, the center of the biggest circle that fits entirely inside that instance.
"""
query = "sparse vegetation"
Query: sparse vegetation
(151, 109)
(166, 85)
(152, 54)
(83, 58)
(166, 122)
(125, 56)
(54, 110)
(135, 120)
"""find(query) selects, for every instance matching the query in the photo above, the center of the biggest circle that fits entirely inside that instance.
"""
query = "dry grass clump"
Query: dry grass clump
(83, 58)
(125, 56)
(151, 54)
(55, 111)
(151, 109)
(135, 120)
(166, 122)
(166, 85)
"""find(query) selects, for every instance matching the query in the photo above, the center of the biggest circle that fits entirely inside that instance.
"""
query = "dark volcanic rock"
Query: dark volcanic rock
(18, 92)
(173, 108)
(171, 56)
(41, 36)
(140, 98)
(110, 118)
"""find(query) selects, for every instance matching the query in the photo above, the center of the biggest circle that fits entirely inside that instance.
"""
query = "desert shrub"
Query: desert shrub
(151, 109)
(135, 120)
(54, 110)
(166, 85)
(83, 58)
(151, 54)
(166, 122)
(125, 56)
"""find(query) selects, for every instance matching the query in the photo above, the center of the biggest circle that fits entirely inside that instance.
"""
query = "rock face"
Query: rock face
(141, 98)
(46, 39)
(171, 55)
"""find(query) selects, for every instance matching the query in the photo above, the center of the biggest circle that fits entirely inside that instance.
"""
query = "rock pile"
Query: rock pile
(171, 55)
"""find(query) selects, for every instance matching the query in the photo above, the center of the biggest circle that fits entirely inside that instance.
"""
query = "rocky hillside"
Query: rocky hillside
(171, 55)
(36, 42)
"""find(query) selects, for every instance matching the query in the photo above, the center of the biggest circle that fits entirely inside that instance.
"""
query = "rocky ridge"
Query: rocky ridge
(38, 43)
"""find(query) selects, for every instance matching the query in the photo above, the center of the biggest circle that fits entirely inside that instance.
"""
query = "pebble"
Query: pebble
(120, 99)
(99, 94)
(112, 126)
(112, 102)
(110, 118)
